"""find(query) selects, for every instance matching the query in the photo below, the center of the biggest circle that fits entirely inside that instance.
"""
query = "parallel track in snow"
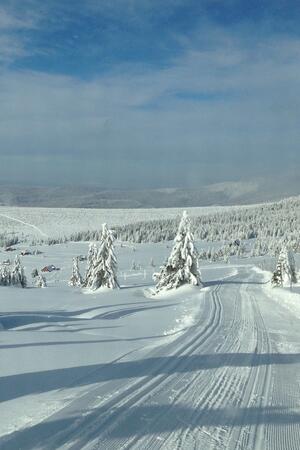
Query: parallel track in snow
(136, 393)
(30, 225)
(212, 388)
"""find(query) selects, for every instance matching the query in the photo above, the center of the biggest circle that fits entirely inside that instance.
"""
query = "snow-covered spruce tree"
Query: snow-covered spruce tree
(41, 281)
(5, 276)
(18, 277)
(182, 265)
(104, 272)
(76, 278)
(285, 272)
(35, 273)
(91, 257)
(291, 267)
(277, 278)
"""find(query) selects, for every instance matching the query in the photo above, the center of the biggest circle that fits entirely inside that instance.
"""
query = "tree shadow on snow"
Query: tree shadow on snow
(147, 420)
(15, 320)
(96, 341)
(15, 386)
(72, 314)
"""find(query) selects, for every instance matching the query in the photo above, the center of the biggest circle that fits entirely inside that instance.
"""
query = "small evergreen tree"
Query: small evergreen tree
(285, 272)
(34, 273)
(76, 278)
(182, 265)
(104, 271)
(5, 276)
(18, 277)
(41, 281)
(91, 257)
(277, 278)
(292, 274)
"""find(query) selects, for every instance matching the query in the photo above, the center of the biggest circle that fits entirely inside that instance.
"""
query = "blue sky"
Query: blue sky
(148, 93)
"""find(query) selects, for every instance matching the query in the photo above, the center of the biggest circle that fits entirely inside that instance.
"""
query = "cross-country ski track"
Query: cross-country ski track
(231, 381)
(30, 225)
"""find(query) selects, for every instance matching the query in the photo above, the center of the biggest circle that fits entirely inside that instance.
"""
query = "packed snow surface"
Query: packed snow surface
(210, 368)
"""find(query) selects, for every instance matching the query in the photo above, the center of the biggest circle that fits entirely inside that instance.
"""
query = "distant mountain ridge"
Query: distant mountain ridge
(223, 194)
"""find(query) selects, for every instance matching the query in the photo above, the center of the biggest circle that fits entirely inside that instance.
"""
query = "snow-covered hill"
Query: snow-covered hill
(56, 222)
(242, 191)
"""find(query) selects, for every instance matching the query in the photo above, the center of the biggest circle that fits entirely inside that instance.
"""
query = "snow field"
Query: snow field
(212, 368)
(57, 222)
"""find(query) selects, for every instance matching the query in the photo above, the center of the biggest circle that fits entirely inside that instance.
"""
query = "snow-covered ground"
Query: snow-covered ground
(57, 222)
(210, 368)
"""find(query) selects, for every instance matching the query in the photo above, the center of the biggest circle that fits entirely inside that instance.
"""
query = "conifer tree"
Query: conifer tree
(182, 265)
(291, 267)
(285, 272)
(41, 281)
(5, 276)
(18, 277)
(277, 278)
(104, 267)
(91, 257)
(76, 278)
(34, 273)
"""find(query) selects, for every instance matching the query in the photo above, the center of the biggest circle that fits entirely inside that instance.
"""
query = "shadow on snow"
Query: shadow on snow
(148, 420)
(15, 386)
(13, 320)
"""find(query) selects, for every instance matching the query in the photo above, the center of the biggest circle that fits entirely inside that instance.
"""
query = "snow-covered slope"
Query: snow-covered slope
(57, 222)
(211, 368)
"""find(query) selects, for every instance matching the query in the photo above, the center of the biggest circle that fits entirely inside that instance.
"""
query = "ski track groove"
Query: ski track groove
(187, 349)
(231, 326)
(215, 391)
(138, 391)
(133, 393)
(177, 380)
(256, 386)
(278, 437)
(230, 383)
(256, 383)
(212, 396)
(223, 386)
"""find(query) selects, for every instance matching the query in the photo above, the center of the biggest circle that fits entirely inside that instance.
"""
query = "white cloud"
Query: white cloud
(136, 114)
(11, 48)
(13, 41)
(9, 21)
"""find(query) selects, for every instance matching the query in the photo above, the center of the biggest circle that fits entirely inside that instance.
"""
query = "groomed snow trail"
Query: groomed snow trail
(25, 223)
(230, 381)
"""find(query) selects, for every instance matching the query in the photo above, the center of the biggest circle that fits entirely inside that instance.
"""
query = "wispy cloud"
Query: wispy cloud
(11, 21)
(15, 28)
(223, 105)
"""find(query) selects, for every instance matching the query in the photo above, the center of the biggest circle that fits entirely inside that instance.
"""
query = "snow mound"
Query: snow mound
(287, 297)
